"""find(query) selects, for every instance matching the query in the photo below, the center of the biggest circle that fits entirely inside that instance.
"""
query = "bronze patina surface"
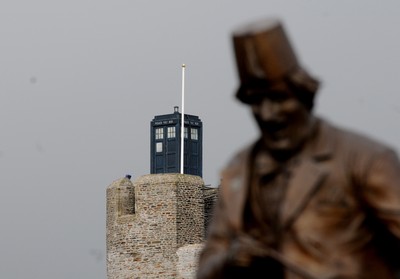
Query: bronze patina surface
(308, 199)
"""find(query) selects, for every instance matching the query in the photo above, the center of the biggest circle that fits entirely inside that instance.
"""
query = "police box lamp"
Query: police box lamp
(264, 56)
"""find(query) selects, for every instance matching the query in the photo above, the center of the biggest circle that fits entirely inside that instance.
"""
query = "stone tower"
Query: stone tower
(149, 220)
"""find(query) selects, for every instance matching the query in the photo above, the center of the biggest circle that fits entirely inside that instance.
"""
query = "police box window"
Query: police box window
(186, 132)
(194, 135)
(171, 132)
(159, 133)
(158, 146)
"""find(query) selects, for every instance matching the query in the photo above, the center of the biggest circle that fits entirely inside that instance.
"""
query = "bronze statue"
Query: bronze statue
(308, 199)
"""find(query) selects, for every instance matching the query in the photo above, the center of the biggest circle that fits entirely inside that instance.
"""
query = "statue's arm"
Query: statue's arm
(382, 190)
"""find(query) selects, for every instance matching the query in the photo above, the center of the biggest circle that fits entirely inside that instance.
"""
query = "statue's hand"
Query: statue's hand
(244, 249)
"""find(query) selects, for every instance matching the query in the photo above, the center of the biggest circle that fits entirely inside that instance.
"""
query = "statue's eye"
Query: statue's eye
(277, 96)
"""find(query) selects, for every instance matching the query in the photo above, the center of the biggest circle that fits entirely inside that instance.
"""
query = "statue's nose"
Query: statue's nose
(268, 110)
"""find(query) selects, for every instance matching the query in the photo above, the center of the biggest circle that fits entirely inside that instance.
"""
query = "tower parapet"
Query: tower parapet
(149, 220)
(120, 217)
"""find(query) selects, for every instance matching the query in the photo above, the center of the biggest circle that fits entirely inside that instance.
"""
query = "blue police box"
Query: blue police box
(165, 134)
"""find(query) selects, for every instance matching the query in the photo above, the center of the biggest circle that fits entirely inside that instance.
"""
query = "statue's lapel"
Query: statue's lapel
(307, 176)
(304, 182)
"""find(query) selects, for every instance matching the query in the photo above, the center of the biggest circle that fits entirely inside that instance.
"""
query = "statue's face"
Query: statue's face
(283, 120)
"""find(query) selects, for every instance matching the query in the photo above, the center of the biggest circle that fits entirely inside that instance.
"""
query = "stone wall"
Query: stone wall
(210, 196)
(120, 202)
(187, 260)
(149, 220)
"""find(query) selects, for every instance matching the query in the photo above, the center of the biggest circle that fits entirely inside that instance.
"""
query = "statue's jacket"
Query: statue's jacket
(341, 209)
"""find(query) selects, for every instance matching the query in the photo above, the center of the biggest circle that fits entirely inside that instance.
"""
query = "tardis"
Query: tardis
(165, 134)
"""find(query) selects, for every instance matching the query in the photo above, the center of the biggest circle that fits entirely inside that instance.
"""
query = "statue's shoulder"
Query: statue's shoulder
(355, 140)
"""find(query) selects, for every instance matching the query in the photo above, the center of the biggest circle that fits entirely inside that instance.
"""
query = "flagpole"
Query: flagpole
(183, 118)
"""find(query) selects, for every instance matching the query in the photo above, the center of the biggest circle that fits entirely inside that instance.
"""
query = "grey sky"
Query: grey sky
(80, 82)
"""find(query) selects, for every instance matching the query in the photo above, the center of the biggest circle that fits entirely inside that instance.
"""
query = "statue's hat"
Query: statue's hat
(263, 53)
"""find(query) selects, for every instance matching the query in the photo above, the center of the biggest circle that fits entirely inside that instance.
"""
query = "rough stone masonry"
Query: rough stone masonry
(156, 225)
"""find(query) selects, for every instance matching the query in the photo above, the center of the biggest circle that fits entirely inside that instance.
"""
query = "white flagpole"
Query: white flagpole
(183, 118)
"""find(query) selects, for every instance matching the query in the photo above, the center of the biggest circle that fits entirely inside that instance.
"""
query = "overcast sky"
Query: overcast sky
(80, 81)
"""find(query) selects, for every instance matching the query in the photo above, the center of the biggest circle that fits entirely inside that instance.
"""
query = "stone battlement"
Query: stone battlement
(149, 219)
